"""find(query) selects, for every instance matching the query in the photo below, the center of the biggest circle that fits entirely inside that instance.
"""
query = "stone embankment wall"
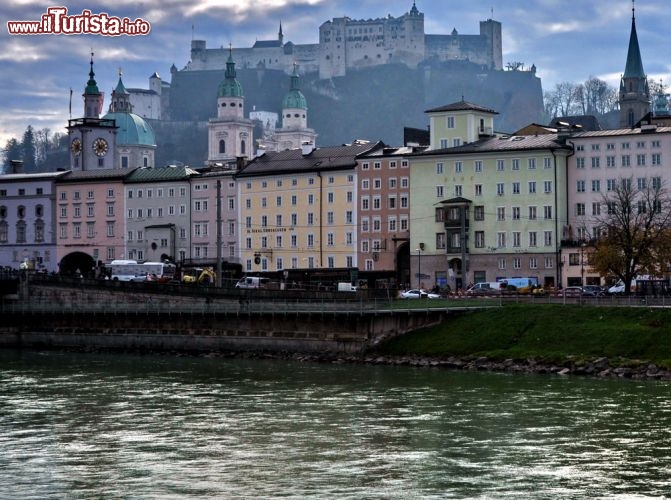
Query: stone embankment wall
(85, 317)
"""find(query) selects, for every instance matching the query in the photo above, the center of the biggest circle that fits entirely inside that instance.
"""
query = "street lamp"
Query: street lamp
(582, 264)
(419, 267)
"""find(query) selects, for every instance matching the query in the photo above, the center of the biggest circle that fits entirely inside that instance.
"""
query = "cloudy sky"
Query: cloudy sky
(567, 41)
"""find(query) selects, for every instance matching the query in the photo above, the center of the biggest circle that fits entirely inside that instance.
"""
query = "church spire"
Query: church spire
(634, 67)
(93, 98)
(634, 90)
(280, 35)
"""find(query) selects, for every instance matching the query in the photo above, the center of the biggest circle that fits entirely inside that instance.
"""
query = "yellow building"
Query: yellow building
(298, 209)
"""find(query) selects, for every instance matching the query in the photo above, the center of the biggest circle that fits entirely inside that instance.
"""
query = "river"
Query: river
(131, 426)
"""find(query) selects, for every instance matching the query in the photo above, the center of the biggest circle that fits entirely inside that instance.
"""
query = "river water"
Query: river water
(126, 426)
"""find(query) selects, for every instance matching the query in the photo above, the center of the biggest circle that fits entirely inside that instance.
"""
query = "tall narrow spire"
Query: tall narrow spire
(634, 67)
(91, 85)
(634, 89)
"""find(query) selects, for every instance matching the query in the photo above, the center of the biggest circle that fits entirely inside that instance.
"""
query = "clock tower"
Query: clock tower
(92, 139)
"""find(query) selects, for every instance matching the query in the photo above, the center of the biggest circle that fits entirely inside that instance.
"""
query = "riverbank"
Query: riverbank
(594, 341)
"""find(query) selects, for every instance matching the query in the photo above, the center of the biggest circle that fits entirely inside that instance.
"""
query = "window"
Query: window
(479, 239)
(580, 186)
(516, 188)
(533, 263)
(531, 163)
(450, 122)
(500, 189)
(596, 185)
(596, 208)
(640, 160)
(439, 191)
(517, 239)
(479, 212)
(500, 165)
(547, 186)
(532, 187)
(547, 212)
(501, 239)
(611, 184)
(439, 168)
(610, 161)
(532, 213)
(515, 164)
(516, 213)
(501, 213)
(580, 209)
(580, 163)
(547, 162)
(458, 190)
(596, 162)
(547, 238)
(533, 239)
(626, 161)
(656, 159)
(478, 190)
(441, 242)
(478, 166)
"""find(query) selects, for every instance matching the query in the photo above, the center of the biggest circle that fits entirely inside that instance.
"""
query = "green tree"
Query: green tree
(29, 153)
(12, 151)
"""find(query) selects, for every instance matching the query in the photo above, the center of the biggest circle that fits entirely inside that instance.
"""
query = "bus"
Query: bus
(131, 270)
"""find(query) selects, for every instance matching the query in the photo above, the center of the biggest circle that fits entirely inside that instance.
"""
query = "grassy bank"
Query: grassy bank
(548, 333)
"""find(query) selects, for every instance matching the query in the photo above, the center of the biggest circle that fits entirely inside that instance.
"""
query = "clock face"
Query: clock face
(100, 146)
(76, 147)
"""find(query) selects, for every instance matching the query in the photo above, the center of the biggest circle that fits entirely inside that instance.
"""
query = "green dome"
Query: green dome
(133, 130)
(295, 98)
(230, 87)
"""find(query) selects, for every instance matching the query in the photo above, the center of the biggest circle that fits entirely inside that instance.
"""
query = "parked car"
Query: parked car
(595, 290)
(418, 294)
(576, 291)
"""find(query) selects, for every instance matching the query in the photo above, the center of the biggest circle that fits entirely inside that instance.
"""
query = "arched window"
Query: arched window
(3, 231)
(21, 211)
(242, 147)
(222, 146)
(39, 211)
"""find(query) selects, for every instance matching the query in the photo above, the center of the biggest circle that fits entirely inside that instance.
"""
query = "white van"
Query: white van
(252, 282)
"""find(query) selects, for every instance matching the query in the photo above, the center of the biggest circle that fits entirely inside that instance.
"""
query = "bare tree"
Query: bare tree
(634, 230)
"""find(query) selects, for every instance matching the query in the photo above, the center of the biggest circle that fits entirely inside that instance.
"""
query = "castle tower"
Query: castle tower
(634, 91)
(230, 135)
(92, 139)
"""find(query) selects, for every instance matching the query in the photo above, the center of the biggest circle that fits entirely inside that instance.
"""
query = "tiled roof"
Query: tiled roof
(502, 143)
(623, 132)
(462, 106)
(95, 175)
(293, 160)
(168, 173)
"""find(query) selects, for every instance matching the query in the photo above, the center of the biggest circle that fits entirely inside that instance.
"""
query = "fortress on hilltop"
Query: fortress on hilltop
(346, 44)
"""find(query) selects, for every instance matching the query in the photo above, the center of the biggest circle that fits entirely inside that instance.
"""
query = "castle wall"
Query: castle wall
(346, 44)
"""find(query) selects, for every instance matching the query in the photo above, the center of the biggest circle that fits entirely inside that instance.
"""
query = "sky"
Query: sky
(566, 40)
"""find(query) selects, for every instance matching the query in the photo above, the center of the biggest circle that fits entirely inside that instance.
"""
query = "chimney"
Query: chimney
(240, 162)
(17, 166)
(306, 148)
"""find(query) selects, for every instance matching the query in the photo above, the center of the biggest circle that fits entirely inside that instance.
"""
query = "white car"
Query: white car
(418, 294)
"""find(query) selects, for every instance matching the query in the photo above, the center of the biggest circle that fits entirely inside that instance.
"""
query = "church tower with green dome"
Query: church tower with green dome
(294, 133)
(230, 134)
(92, 139)
(135, 141)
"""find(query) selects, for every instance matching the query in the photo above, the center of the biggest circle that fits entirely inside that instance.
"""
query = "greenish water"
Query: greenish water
(117, 426)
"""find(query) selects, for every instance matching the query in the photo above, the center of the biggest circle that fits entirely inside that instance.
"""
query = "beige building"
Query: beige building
(298, 209)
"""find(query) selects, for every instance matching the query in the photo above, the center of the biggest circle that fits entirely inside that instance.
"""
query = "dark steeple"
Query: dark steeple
(634, 90)
(634, 67)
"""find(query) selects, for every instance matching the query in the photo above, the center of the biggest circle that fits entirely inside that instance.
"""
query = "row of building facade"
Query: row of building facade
(470, 205)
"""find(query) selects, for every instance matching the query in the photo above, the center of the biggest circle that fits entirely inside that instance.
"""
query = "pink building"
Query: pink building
(90, 211)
